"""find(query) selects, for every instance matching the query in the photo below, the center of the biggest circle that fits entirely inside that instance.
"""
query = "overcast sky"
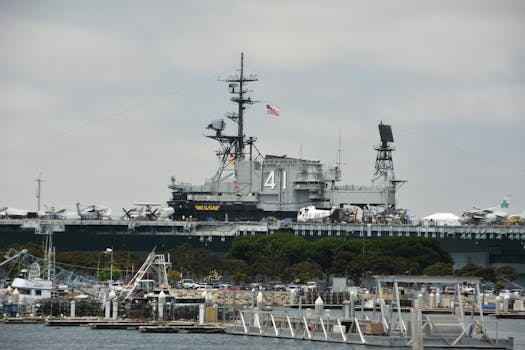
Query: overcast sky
(109, 99)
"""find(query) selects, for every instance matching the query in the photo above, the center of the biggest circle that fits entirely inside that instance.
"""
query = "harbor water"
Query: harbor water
(30, 336)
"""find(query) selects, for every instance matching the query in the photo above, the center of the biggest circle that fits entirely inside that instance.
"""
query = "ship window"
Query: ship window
(38, 292)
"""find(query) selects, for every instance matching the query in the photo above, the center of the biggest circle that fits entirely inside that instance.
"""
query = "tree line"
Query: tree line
(290, 258)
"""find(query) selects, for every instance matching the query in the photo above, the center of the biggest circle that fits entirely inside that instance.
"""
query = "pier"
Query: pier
(452, 330)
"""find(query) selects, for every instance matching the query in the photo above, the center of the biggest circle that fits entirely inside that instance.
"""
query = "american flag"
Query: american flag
(273, 110)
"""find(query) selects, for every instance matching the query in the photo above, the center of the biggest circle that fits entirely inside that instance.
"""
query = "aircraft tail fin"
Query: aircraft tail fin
(503, 206)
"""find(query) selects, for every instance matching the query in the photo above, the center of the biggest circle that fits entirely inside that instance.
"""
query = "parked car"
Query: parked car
(187, 283)
(516, 292)
(279, 287)
(252, 286)
(311, 285)
(468, 290)
(504, 292)
(208, 286)
(228, 286)
(294, 288)
(449, 290)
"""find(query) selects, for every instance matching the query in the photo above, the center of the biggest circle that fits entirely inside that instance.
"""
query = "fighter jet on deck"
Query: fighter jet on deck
(494, 215)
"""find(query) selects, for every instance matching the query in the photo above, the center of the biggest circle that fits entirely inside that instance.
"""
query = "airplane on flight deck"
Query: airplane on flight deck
(494, 215)
(311, 213)
(146, 212)
(93, 212)
(13, 213)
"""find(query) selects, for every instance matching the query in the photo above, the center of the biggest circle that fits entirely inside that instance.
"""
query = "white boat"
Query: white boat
(32, 290)
(30, 286)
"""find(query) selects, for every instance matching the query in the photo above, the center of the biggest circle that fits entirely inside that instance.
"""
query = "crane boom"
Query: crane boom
(9, 258)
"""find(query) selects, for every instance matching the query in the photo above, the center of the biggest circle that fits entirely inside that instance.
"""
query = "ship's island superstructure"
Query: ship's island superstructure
(249, 186)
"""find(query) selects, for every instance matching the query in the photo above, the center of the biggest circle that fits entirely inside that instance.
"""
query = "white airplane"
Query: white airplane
(93, 212)
(494, 215)
(311, 213)
(13, 213)
(146, 212)
(165, 213)
(68, 215)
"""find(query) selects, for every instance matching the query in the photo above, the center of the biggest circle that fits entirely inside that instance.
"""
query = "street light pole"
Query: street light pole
(110, 250)
(98, 268)
(111, 268)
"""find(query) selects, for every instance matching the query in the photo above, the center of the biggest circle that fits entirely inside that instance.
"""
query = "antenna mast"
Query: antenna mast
(237, 87)
(384, 162)
(232, 146)
(385, 165)
(339, 151)
(38, 192)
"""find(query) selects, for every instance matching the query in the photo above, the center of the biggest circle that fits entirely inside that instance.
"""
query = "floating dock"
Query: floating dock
(391, 330)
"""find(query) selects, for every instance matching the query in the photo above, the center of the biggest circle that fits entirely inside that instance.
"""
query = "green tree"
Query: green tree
(306, 271)
(423, 251)
(213, 276)
(374, 263)
(272, 255)
(270, 268)
(323, 251)
(105, 273)
(232, 266)
(471, 269)
(439, 269)
(239, 277)
(506, 273)
(174, 275)
(196, 262)
(32, 248)
(498, 287)
(341, 261)
(284, 246)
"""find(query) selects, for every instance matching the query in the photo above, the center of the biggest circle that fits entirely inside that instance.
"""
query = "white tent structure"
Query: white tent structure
(441, 219)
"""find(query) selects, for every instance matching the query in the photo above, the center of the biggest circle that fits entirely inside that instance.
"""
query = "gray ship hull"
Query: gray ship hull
(483, 245)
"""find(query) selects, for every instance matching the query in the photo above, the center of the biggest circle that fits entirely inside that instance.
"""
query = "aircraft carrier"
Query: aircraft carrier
(250, 186)
(255, 194)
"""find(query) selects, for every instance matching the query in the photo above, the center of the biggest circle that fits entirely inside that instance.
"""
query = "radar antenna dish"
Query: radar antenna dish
(385, 132)
(217, 125)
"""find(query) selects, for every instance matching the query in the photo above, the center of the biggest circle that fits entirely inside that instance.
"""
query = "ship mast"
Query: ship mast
(38, 191)
(384, 162)
(232, 146)
(237, 84)
(240, 132)
(384, 167)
